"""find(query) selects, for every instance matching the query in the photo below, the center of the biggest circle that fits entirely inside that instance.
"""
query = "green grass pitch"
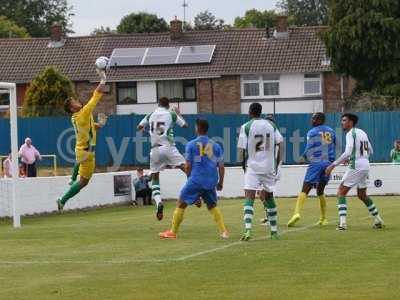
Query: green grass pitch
(115, 253)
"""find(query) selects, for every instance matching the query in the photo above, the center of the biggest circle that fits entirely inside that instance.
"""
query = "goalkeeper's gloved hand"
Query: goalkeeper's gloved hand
(102, 75)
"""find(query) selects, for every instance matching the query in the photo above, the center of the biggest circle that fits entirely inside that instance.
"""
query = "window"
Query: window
(259, 86)
(312, 84)
(126, 93)
(4, 99)
(177, 90)
(271, 85)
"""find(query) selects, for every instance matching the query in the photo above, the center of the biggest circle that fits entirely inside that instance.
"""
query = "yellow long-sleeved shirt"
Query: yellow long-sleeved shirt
(84, 125)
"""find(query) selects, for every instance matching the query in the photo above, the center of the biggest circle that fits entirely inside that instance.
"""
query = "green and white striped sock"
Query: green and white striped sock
(272, 212)
(155, 191)
(248, 214)
(342, 206)
(373, 211)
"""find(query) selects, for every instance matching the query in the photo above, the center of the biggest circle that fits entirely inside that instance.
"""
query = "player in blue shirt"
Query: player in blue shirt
(320, 152)
(205, 170)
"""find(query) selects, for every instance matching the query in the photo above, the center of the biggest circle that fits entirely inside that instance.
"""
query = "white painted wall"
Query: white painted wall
(146, 108)
(287, 107)
(38, 195)
(291, 86)
(147, 91)
(291, 181)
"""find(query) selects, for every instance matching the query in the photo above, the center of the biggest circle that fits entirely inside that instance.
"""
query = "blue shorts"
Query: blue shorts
(192, 192)
(316, 173)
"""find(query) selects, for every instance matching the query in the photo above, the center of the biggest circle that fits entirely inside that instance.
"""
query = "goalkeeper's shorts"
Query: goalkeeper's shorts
(86, 162)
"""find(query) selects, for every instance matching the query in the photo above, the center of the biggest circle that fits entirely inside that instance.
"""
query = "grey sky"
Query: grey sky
(90, 14)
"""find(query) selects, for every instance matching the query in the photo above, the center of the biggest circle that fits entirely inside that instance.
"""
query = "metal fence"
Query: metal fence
(119, 143)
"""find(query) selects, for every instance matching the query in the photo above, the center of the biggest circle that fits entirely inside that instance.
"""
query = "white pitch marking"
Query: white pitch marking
(183, 258)
(164, 260)
(130, 261)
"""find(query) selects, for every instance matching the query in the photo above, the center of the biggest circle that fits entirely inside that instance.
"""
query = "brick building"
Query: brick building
(285, 69)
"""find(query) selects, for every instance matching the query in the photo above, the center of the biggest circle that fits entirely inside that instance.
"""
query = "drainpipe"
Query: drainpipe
(342, 91)
(212, 95)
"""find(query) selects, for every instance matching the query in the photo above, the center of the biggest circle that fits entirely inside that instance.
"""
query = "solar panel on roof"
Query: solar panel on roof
(161, 55)
(196, 54)
(127, 57)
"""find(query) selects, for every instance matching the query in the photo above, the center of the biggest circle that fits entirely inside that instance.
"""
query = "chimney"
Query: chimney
(57, 39)
(281, 30)
(176, 27)
(56, 32)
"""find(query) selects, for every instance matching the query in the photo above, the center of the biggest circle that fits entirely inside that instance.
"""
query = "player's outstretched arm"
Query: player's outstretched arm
(97, 95)
(179, 119)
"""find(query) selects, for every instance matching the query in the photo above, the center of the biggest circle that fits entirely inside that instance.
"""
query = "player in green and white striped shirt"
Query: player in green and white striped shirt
(163, 151)
(358, 150)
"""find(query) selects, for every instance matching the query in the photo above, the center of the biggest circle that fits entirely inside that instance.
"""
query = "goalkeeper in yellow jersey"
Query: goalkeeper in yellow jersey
(85, 132)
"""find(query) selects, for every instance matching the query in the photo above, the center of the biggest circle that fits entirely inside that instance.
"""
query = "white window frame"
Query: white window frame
(260, 82)
(312, 80)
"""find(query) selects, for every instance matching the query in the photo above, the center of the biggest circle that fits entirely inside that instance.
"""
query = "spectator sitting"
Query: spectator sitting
(29, 155)
(142, 187)
(7, 166)
(395, 153)
(22, 173)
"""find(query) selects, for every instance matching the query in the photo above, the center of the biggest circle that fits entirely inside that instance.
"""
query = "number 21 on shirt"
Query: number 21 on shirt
(262, 142)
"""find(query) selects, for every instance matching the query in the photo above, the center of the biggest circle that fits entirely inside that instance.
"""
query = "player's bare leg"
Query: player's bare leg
(156, 195)
(373, 211)
(176, 221)
(75, 188)
(300, 204)
(342, 206)
(248, 214)
(322, 204)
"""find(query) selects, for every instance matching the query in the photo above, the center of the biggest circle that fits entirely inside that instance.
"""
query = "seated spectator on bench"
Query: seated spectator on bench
(142, 187)
(395, 153)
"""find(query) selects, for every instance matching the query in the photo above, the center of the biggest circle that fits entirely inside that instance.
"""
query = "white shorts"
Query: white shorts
(357, 178)
(260, 182)
(164, 156)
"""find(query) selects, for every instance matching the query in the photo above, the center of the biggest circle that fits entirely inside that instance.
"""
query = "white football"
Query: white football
(102, 62)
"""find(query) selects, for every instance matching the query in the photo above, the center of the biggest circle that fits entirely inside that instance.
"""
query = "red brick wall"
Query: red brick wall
(219, 95)
(332, 93)
(21, 90)
(107, 104)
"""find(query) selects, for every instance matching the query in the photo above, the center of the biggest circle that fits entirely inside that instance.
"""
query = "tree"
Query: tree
(37, 16)
(8, 29)
(205, 20)
(257, 19)
(363, 42)
(103, 30)
(306, 12)
(142, 22)
(46, 94)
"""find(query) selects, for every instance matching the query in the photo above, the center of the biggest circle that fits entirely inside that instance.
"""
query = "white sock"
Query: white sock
(157, 199)
(378, 219)
(342, 220)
